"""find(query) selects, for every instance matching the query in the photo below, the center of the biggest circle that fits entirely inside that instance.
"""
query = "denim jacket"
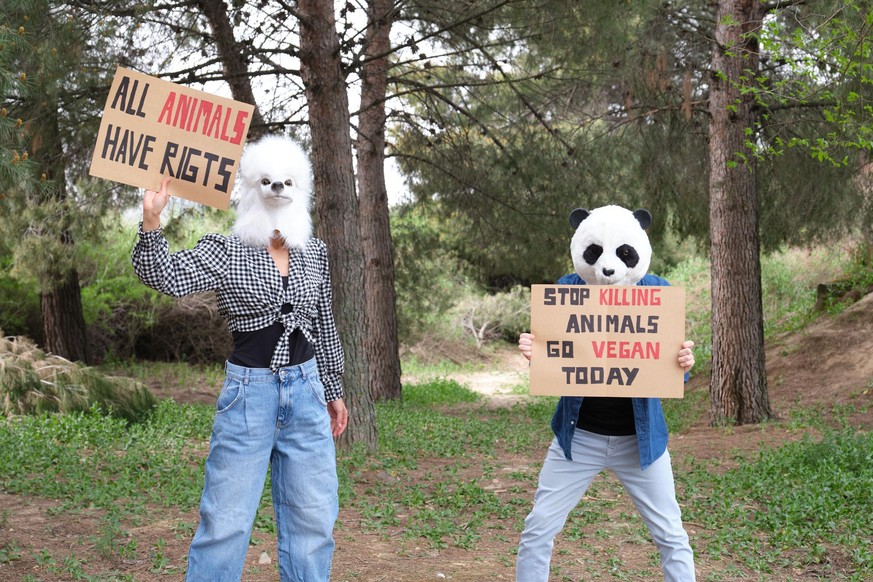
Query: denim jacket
(649, 419)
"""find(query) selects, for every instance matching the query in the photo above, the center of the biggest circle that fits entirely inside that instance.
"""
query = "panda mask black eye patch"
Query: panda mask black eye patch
(627, 255)
(592, 253)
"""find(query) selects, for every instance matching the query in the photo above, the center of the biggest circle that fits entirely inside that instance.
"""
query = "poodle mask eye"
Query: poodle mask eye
(266, 182)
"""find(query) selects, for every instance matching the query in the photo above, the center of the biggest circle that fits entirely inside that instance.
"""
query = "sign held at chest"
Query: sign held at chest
(153, 128)
(607, 341)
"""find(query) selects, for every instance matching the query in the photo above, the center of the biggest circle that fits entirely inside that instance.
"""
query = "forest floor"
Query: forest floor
(819, 369)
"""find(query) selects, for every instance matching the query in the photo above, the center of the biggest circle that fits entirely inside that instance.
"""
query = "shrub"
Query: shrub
(19, 304)
(32, 382)
(126, 319)
(189, 329)
(428, 275)
(498, 316)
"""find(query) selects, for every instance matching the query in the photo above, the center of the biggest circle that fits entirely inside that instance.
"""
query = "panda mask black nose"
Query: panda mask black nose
(610, 246)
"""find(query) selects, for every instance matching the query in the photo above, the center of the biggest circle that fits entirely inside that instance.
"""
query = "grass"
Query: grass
(444, 478)
(115, 467)
(803, 505)
(170, 373)
(788, 282)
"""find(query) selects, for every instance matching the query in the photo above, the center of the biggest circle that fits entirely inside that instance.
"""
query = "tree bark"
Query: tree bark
(63, 320)
(738, 387)
(233, 60)
(336, 205)
(382, 347)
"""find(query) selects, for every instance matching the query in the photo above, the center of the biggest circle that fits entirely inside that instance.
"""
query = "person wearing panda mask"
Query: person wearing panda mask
(281, 404)
(626, 435)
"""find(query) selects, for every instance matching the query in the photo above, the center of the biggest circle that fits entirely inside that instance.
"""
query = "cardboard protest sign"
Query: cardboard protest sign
(607, 340)
(153, 128)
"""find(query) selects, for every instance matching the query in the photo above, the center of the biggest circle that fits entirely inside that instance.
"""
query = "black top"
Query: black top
(254, 349)
(607, 416)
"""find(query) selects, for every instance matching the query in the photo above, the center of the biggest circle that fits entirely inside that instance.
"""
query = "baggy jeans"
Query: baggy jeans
(278, 420)
(563, 483)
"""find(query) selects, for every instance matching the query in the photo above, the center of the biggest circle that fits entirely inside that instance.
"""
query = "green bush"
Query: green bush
(19, 304)
(117, 306)
(428, 276)
(127, 319)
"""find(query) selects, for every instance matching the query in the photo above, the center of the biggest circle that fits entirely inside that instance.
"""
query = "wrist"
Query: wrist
(150, 223)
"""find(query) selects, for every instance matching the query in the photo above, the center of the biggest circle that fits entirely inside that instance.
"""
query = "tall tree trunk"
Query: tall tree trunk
(738, 388)
(63, 320)
(336, 204)
(383, 350)
(233, 60)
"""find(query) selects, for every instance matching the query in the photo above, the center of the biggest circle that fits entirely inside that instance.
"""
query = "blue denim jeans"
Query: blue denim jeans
(563, 483)
(278, 420)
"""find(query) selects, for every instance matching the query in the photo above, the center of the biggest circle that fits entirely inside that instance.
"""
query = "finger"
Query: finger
(339, 421)
(164, 193)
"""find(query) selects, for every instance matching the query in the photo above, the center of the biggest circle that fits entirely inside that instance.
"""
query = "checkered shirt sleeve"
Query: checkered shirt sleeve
(184, 272)
(328, 350)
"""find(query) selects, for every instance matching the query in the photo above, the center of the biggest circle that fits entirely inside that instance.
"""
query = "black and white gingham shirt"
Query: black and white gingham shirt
(250, 292)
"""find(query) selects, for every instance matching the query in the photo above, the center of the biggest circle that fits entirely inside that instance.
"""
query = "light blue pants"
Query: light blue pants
(268, 419)
(563, 483)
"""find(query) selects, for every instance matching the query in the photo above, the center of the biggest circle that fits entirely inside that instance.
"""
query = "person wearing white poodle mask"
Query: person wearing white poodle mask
(281, 404)
(625, 435)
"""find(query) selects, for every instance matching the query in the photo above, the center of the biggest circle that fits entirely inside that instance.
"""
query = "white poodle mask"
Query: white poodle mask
(610, 246)
(275, 193)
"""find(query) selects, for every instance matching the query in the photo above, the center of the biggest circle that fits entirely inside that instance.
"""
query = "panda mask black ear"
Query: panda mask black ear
(644, 217)
(577, 216)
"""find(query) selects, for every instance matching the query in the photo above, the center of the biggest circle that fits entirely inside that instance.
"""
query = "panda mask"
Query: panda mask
(610, 246)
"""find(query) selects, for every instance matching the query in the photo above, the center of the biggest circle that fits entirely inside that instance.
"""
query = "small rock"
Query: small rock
(264, 559)
(441, 576)
(387, 478)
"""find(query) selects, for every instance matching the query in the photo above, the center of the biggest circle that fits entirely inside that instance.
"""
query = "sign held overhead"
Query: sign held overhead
(153, 128)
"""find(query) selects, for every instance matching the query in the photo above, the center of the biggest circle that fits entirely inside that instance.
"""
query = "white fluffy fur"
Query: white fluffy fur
(610, 227)
(264, 208)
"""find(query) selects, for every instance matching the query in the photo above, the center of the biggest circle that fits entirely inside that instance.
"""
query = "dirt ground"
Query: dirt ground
(828, 364)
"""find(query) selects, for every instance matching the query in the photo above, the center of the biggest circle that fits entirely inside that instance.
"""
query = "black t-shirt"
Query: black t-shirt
(607, 416)
(254, 349)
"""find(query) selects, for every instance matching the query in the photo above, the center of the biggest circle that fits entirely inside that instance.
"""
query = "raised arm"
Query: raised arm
(182, 273)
